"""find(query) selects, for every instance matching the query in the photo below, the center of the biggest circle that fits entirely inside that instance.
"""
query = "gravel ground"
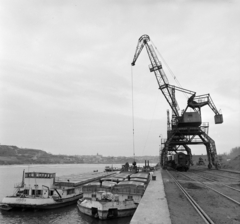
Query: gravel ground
(181, 211)
(219, 209)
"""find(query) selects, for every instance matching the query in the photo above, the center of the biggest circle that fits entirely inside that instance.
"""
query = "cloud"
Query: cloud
(66, 76)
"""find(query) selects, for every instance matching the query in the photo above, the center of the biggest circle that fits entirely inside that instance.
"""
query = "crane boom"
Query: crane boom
(156, 67)
(194, 102)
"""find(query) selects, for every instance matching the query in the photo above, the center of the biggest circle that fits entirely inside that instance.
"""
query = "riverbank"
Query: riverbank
(13, 155)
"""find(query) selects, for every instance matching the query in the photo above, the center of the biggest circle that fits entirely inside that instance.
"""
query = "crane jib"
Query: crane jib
(194, 102)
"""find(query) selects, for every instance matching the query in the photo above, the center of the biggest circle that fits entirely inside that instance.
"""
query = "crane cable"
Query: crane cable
(133, 114)
(171, 72)
(150, 126)
(153, 115)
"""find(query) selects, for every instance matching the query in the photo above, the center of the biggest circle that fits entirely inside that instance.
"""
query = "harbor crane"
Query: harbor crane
(186, 126)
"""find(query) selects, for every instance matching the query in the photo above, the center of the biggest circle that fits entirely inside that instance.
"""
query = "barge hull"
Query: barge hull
(110, 210)
(29, 203)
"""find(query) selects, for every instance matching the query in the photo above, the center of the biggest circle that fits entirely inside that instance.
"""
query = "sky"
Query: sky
(67, 82)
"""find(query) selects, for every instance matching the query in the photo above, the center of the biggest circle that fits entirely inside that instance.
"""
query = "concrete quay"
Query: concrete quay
(153, 208)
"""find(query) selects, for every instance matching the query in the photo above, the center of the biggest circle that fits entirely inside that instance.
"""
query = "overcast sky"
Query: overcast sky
(65, 72)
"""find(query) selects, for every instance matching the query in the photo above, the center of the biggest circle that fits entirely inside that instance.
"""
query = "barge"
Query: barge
(109, 198)
(40, 190)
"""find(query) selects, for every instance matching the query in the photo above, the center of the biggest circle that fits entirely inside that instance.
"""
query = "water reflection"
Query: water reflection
(69, 215)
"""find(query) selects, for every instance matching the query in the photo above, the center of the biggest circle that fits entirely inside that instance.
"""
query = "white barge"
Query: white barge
(40, 190)
(113, 199)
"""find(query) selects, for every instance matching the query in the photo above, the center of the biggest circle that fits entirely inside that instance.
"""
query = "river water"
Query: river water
(10, 175)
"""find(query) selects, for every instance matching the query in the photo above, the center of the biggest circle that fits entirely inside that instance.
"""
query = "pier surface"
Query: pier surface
(153, 207)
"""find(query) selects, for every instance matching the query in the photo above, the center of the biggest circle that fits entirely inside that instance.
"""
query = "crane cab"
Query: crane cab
(192, 119)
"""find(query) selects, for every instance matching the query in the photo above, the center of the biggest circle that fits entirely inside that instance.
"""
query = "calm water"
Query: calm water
(9, 175)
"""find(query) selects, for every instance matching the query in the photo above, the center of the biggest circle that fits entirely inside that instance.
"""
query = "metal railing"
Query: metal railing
(18, 185)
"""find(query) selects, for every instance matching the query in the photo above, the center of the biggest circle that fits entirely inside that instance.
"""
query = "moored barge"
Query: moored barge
(109, 198)
(40, 190)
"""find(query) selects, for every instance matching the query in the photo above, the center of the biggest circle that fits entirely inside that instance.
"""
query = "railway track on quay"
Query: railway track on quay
(215, 200)
(219, 185)
(195, 205)
(222, 174)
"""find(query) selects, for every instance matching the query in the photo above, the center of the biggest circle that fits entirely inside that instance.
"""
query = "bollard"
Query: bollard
(153, 177)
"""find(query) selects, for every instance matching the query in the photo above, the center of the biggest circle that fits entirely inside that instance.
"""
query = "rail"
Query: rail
(214, 174)
(18, 185)
(199, 210)
(235, 189)
(231, 199)
(231, 171)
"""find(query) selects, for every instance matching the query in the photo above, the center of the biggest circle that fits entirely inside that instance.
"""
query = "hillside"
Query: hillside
(10, 155)
(14, 155)
(233, 164)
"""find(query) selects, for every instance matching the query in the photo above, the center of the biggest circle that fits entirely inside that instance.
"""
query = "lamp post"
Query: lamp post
(112, 163)
(160, 136)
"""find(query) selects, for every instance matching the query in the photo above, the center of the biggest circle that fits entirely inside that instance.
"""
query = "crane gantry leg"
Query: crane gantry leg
(188, 136)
